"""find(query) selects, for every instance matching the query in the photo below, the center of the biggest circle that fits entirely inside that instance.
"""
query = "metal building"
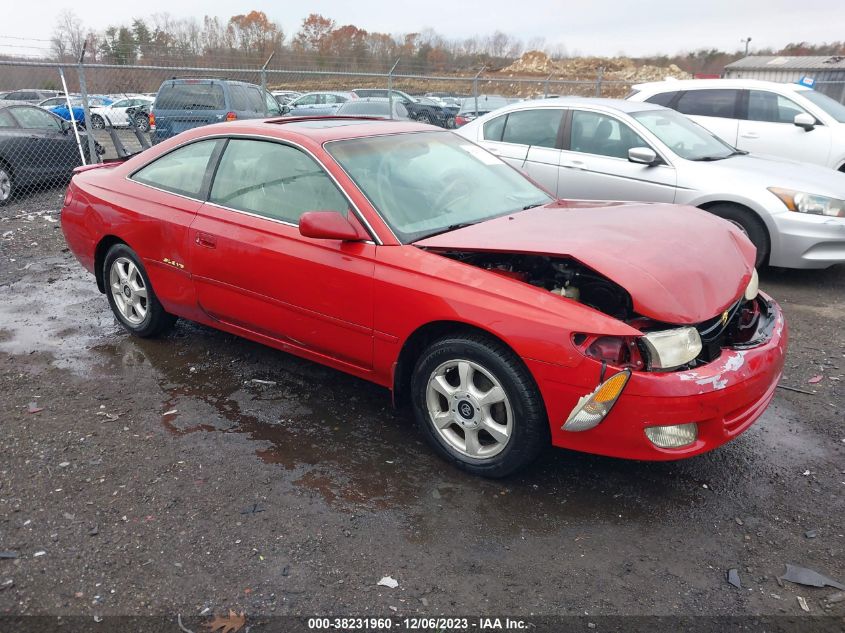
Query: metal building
(827, 71)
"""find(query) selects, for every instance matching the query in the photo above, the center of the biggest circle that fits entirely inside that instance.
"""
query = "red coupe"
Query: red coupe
(410, 257)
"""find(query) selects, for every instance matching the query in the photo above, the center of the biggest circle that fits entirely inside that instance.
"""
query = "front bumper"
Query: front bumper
(723, 398)
(803, 240)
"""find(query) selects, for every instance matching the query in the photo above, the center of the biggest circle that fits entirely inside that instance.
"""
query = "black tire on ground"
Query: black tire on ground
(156, 321)
(97, 122)
(142, 123)
(750, 224)
(530, 427)
(424, 117)
(7, 184)
(450, 123)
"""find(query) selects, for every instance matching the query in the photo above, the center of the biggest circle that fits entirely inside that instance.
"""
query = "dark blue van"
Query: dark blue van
(182, 104)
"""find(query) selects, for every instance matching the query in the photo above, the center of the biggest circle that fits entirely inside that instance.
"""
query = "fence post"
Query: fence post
(546, 87)
(599, 75)
(475, 87)
(264, 83)
(72, 118)
(83, 90)
(390, 87)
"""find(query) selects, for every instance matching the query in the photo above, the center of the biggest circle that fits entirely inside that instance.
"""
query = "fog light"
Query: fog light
(672, 436)
(594, 407)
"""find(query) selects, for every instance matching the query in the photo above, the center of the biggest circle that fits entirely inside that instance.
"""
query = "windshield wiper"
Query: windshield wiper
(448, 229)
(707, 159)
(533, 205)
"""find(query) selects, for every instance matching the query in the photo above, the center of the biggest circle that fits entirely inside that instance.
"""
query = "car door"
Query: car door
(50, 150)
(304, 105)
(253, 270)
(769, 128)
(717, 109)
(530, 141)
(116, 112)
(595, 165)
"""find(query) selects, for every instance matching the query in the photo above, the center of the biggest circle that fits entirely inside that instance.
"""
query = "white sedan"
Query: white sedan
(115, 114)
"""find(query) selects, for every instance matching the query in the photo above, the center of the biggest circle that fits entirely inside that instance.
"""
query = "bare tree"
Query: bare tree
(68, 36)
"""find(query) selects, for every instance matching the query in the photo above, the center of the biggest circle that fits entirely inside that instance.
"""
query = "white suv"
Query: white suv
(787, 120)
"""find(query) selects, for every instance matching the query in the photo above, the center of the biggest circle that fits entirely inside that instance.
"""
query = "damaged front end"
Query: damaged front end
(660, 348)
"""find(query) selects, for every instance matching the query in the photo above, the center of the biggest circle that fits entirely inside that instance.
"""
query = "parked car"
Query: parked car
(115, 112)
(373, 107)
(420, 109)
(183, 104)
(284, 97)
(78, 109)
(29, 95)
(763, 117)
(52, 102)
(36, 147)
(413, 258)
(316, 103)
(472, 107)
(139, 116)
(595, 148)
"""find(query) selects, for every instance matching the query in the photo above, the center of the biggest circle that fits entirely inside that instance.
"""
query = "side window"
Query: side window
(181, 171)
(307, 100)
(594, 133)
(493, 129)
(716, 103)
(273, 180)
(36, 118)
(663, 99)
(771, 107)
(239, 102)
(123, 103)
(533, 127)
(256, 104)
(6, 119)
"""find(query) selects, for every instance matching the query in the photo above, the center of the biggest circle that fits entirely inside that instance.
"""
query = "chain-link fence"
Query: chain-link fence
(57, 116)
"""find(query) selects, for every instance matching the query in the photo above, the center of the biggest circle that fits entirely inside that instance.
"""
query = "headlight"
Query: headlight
(672, 348)
(810, 203)
(753, 287)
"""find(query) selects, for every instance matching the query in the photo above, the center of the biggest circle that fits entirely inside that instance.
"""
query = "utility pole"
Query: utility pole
(746, 41)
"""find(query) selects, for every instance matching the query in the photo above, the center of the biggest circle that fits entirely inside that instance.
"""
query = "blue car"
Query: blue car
(183, 104)
(78, 110)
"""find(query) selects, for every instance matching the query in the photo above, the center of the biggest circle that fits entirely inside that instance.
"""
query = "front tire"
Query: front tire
(131, 295)
(478, 406)
(7, 185)
(750, 224)
(97, 122)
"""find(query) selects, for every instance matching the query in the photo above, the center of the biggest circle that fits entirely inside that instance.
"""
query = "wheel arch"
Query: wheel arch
(100, 251)
(420, 339)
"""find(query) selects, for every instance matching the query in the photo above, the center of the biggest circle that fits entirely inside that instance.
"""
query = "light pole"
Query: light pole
(746, 41)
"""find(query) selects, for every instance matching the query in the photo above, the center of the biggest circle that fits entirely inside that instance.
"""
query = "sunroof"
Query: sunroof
(327, 122)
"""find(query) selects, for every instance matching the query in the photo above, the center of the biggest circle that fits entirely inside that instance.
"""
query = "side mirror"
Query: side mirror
(329, 225)
(804, 120)
(285, 109)
(642, 155)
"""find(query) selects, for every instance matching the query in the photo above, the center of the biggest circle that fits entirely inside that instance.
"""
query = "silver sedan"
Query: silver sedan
(605, 149)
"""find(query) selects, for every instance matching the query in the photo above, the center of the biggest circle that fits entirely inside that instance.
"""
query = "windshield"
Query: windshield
(687, 139)
(832, 107)
(430, 182)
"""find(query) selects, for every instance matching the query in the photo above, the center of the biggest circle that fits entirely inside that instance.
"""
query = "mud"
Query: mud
(160, 477)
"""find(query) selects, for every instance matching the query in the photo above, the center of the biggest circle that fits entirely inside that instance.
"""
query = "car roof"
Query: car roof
(316, 129)
(620, 105)
(688, 84)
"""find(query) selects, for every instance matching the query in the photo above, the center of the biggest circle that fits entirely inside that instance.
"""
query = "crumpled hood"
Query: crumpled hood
(680, 264)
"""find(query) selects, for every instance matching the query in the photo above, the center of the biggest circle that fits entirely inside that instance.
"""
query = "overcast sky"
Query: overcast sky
(594, 27)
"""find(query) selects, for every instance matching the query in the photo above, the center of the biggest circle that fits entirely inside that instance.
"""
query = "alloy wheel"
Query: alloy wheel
(469, 409)
(128, 290)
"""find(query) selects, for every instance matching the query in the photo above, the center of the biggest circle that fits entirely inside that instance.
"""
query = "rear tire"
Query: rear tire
(97, 122)
(750, 224)
(142, 123)
(131, 296)
(478, 406)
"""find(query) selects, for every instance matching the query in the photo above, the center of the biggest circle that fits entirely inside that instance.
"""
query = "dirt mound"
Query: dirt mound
(587, 68)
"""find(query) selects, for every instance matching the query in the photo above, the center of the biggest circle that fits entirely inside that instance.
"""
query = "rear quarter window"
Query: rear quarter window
(663, 99)
(714, 102)
(181, 171)
(191, 97)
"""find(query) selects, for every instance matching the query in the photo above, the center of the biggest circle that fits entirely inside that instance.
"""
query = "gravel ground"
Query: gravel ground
(155, 477)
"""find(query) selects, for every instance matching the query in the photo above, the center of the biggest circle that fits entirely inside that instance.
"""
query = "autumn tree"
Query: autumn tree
(313, 32)
(255, 34)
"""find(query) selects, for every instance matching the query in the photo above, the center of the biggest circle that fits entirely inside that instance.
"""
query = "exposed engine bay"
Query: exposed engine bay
(746, 323)
(563, 277)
